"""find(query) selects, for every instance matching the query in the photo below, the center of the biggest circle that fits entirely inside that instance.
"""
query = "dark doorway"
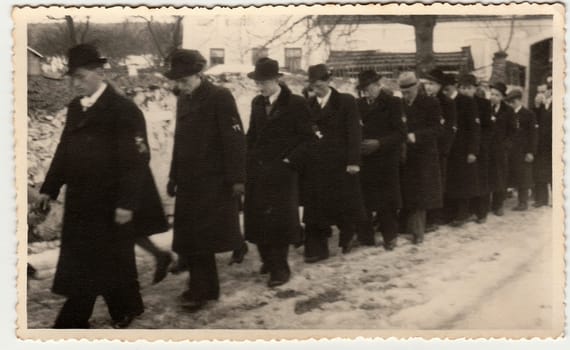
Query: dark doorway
(540, 66)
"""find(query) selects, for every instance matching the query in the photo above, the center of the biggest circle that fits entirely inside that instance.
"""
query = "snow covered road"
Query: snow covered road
(493, 276)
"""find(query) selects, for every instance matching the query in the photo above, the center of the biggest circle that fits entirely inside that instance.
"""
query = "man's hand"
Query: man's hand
(411, 138)
(369, 146)
(238, 190)
(471, 158)
(352, 169)
(171, 188)
(539, 99)
(529, 158)
(123, 216)
(44, 203)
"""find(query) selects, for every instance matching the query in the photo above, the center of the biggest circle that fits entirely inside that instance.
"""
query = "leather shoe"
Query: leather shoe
(418, 240)
(458, 223)
(279, 279)
(499, 212)
(481, 220)
(194, 305)
(431, 228)
(187, 296)
(316, 258)
(162, 264)
(390, 245)
(539, 204)
(239, 254)
(521, 207)
(123, 322)
(347, 247)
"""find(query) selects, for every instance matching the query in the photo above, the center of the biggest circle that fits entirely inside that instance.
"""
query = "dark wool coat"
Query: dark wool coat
(462, 177)
(445, 141)
(331, 195)
(543, 161)
(271, 205)
(501, 143)
(208, 158)
(421, 175)
(487, 135)
(102, 158)
(525, 141)
(383, 121)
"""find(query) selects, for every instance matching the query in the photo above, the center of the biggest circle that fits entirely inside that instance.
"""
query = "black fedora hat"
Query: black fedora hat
(367, 77)
(501, 87)
(319, 72)
(450, 79)
(436, 75)
(265, 69)
(514, 94)
(184, 63)
(83, 55)
(467, 80)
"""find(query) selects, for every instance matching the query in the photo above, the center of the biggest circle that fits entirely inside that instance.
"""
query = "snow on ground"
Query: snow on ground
(457, 279)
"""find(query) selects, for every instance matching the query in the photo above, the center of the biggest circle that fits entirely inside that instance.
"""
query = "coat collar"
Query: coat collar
(102, 103)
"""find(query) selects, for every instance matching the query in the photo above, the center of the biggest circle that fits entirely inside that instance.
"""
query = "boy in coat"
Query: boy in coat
(524, 148)
(543, 164)
(332, 193)
(102, 158)
(207, 176)
(276, 141)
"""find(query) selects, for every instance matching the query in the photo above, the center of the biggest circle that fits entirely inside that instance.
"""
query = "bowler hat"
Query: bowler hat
(83, 55)
(514, 94)
(265, 69)
(407, 80)
(501, 87)
(319, 72)
(450, 79)
(367, 77)
(467, 80)
(184, 63)
(437, 76)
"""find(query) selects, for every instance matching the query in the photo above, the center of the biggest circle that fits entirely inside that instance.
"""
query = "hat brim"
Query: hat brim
(253, 75)
(435, 79)
(363, 85)
(100, 61)
(409, 86)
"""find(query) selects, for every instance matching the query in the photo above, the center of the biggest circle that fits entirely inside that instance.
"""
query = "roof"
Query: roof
(35, 52)
(379, 19)
(390, 61)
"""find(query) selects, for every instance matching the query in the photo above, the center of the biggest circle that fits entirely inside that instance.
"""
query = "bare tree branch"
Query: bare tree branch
(511, 33)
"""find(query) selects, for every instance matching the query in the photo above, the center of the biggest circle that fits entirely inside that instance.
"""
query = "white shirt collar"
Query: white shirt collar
(547, 102)
(518, 109)
(454, 94)
(325, 99)
(89, 101)
(275, 96)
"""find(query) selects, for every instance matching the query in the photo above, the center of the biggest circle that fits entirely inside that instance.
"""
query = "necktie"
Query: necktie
(267, 103)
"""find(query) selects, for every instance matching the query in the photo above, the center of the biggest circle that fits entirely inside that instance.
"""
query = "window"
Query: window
(257, 53)
(293, 59)
(217, 56)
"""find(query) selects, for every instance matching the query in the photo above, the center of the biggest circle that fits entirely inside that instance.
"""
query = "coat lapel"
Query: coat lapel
(86, 117)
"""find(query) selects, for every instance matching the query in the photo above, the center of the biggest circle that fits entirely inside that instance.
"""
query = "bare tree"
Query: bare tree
(499, 70)
(77, 33)
(165, 37)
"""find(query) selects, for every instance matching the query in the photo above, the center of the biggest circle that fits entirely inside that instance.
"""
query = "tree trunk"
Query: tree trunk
(499, 73)
(423, 30)
(71, 30)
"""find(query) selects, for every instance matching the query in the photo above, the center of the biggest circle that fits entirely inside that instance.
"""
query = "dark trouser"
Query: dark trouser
(498, 200)
(522, 195)
(416, 222)
(460, 208)
(541, 193)
(274, 257)
(204, 283)
(482, 205)
(316, 240)
(388, 224)
(121, 302)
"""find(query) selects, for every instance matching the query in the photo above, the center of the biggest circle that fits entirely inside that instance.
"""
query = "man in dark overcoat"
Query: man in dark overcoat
(462, 171)
(504, 127)
(543, 163)
(384, 132)
(421, 174)
(102, 158)
(207, 175)
(524, 148)
(279, 131)
(332, 193)
(482, 202)
(436, 85)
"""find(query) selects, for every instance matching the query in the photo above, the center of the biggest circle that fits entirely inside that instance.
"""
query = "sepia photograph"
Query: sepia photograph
(289, 172)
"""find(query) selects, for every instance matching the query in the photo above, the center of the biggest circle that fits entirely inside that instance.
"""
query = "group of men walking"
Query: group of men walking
(433, 157)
